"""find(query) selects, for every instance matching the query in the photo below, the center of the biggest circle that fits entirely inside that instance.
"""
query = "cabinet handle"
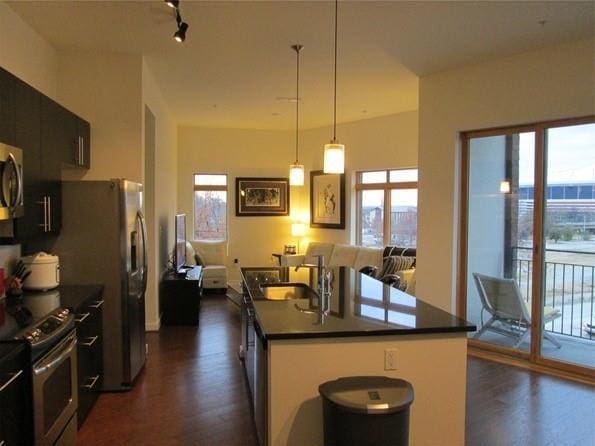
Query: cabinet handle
(81, 317)
(90, 342)
(96, 304)
(49, 214)
(93, 382)
(44, 225)
(12, 378)
(82, 150)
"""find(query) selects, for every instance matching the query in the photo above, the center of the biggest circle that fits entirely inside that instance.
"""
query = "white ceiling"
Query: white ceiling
(237, 59)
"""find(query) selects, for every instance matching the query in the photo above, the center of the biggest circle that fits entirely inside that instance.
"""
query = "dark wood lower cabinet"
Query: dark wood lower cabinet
(89, 330)
(180, 298)
(16, 412)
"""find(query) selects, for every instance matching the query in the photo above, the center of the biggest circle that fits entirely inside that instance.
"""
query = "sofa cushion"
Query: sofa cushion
(368, 256)
(214, 276)
(343, 255)
(213, 252)
(316, 249)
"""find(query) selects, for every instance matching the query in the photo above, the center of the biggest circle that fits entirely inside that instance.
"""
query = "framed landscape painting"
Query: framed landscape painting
(327, 200)
(262, 197)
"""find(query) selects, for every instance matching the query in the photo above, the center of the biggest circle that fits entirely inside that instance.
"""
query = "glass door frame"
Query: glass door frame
(538, 255)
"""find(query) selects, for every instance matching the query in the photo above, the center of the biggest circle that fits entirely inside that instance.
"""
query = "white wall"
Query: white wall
(106, 90)
(389, 141)
(26, 54)
(164, 196)
(551, 83)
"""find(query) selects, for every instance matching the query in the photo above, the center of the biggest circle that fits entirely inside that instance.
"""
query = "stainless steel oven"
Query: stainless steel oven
(11, 182)
(55, 394)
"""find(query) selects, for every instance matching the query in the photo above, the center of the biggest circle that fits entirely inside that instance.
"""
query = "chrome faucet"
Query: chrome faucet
(324, 282)
(324, 291)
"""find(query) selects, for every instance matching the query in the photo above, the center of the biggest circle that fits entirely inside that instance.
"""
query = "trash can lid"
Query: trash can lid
(368, 394)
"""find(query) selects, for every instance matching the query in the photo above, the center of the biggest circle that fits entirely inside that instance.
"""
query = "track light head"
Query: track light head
(180, 34)
(172, 3)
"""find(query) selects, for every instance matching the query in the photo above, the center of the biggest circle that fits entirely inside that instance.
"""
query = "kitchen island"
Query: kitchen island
(290, 353)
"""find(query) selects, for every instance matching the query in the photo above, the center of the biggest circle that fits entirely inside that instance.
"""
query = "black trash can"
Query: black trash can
(366, 411)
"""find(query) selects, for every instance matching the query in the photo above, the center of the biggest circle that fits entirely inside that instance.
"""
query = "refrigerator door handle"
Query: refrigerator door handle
(141, 219)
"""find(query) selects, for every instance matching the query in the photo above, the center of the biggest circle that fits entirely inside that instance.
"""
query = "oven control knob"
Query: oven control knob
(36, 333)
(29, 338)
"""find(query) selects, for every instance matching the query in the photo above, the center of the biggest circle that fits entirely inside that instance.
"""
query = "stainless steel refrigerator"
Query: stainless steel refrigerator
(103, 241)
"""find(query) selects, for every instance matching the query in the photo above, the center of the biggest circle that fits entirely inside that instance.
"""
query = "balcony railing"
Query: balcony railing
(569, 287)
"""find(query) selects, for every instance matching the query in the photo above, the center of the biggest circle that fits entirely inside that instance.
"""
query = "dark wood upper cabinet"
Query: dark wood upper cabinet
(51, 138)
(28, 138)
(84, 136)
(7, 108)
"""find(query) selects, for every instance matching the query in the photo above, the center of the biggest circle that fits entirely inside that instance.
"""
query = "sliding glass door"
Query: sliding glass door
(527, 266)
(500, 237)
(569, 233)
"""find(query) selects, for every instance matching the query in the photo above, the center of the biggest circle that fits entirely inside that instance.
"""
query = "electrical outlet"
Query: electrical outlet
(236, 260)
(390, 359)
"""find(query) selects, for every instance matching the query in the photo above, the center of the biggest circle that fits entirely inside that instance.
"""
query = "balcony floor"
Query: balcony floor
(574, 350)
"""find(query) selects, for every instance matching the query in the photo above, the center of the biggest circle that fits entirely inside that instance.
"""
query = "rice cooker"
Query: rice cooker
(45, 271)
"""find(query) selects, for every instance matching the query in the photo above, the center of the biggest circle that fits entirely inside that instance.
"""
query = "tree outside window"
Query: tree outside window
(210, 206)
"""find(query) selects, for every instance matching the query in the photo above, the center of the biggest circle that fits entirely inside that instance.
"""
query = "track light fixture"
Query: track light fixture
(180, 34)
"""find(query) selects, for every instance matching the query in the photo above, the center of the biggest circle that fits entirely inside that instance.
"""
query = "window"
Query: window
(387, 207)
(210, 206)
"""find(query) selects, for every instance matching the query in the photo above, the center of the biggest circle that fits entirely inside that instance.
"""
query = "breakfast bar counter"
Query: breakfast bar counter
(369, 329)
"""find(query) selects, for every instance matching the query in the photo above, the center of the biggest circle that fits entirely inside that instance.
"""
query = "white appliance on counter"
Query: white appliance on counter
(103, 241)
(45, 271)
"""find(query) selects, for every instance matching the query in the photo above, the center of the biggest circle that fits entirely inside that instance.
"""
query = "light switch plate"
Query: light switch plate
(390, 359)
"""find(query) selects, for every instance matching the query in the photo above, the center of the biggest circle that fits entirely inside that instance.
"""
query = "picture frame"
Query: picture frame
(262, 197)
(327, 200)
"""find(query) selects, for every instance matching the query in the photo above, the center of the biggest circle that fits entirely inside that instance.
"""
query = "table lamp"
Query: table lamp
(298, 230)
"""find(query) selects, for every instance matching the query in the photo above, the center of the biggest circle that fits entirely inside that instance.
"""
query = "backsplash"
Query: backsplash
(9, 256)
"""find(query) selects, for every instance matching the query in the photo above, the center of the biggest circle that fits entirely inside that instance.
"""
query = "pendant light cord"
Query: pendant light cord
(297, 102)
(335, 86)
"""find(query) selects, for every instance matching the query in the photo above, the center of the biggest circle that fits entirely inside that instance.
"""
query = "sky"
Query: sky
(570, 152)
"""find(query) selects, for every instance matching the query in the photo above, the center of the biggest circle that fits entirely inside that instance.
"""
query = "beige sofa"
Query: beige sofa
(347, 255)
(211, 255)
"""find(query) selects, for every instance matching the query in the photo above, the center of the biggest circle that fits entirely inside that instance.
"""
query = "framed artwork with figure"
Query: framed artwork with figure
(327, 200)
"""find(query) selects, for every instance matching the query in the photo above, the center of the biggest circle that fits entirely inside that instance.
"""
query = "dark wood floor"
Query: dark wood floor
(192, 392)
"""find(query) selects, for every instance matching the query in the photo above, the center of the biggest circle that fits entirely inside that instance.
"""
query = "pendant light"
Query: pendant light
(296, 170)
(334, 153)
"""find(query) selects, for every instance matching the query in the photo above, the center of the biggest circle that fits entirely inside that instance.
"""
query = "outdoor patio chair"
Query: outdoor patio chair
(510, 316)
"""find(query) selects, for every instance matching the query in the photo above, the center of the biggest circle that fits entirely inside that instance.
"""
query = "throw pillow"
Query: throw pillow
(200, 261)
(392, 264)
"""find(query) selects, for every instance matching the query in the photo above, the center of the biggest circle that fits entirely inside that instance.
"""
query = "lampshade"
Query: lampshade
(298, 229)
(296, 174)
(334, 158)
(505, 186)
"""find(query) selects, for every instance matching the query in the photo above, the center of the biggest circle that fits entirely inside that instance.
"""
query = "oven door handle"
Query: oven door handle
(9, 382)
(62, 354)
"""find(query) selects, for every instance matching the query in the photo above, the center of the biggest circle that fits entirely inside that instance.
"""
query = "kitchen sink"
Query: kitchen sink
(287, 291)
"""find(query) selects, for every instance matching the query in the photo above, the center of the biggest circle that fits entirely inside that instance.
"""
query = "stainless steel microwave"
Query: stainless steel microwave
(11, 182)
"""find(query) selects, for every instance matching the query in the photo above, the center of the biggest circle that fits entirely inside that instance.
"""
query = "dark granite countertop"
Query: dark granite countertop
(41, 303)
(359, 306)
(72, 296)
